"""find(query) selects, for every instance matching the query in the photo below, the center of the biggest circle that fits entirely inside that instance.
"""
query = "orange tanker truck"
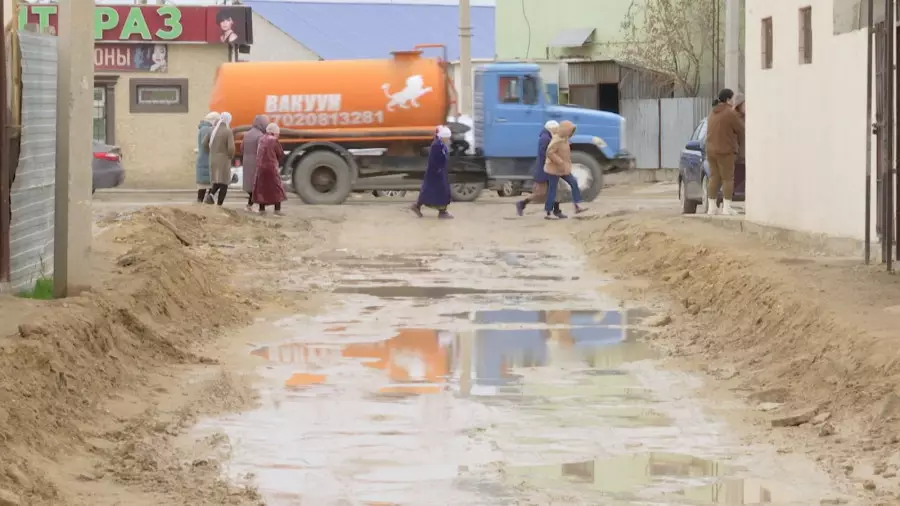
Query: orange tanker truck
(365, 125)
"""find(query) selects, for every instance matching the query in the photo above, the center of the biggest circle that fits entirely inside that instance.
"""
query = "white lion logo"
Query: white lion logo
(414, 90)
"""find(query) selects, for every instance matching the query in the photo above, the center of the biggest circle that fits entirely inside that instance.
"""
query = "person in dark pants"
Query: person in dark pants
(202, 165)
(558, 165)
(220, 145)
(539, 187)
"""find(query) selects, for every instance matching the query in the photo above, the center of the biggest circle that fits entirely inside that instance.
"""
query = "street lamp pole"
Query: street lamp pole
(465, 57)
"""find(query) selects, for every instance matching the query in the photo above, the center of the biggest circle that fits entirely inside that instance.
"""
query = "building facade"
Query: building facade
(537, 29)
(154, 68)
(806, 125)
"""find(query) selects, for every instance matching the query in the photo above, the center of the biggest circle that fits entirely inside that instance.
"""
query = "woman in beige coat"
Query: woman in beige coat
(558, 165)
(219, 143)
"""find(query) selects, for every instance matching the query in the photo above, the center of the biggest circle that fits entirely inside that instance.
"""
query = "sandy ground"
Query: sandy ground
(97, 390)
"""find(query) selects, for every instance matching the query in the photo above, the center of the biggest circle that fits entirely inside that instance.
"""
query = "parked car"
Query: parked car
(693, 175)
(107, 166)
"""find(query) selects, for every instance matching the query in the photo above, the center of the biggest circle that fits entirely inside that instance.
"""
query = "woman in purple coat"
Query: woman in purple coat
(435, 191)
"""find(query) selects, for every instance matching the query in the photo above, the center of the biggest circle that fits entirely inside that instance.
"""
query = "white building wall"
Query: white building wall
(272, 44)
(805, 125)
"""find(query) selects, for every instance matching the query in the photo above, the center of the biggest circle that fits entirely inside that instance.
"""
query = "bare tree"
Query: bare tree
(674, 37)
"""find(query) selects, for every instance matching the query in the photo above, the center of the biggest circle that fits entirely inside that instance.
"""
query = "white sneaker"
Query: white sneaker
(711, 208)
(728, 210)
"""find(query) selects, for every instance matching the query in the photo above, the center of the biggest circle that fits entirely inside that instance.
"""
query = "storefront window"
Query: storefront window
(100, 114)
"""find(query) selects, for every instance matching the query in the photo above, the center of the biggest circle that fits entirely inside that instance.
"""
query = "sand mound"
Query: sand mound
(782, 327)
(164, 297)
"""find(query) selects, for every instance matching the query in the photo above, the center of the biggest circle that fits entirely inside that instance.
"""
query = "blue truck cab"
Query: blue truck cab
(511, 106)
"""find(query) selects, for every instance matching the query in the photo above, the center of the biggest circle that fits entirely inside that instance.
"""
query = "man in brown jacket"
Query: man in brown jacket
(724, 135)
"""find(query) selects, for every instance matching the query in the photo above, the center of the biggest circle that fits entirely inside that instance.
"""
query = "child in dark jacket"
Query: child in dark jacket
(539, 188)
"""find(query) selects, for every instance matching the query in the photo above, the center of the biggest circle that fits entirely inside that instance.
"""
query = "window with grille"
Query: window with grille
(806, 39)
(99, 115)
(767, 43)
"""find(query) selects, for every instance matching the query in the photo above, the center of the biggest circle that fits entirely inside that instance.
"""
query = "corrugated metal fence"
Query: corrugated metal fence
(32, 193)
(658, 129)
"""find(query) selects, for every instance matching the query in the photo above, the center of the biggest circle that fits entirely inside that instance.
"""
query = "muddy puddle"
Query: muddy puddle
(487, 378)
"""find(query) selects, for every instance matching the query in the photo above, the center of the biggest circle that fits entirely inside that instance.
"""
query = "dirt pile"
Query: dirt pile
(805, 337)
(162, 292)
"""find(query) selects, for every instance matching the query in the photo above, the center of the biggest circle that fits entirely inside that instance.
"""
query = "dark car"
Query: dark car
(107, 166)
(693, 175)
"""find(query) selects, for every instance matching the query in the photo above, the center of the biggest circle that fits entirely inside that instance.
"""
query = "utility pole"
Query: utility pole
(72, 220)
(733, 44)
(465, 57)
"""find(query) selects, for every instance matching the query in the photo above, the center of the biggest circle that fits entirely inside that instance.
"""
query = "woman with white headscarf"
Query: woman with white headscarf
(435, 191)
(219, 143)
(202, 165)
(267, 186)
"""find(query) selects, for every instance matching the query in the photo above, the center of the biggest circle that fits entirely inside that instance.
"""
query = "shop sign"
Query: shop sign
(156, 23)
(131, 57)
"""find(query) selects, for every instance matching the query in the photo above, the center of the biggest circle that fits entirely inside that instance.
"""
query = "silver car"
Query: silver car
(107, 166)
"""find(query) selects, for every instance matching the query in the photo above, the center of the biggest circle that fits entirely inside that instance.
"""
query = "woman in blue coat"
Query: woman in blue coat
(435, 191)
(541, 178)
(202, 165)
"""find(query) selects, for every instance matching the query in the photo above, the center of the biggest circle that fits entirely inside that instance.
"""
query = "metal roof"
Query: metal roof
(509, 67)
(573, 37)
(351, 31)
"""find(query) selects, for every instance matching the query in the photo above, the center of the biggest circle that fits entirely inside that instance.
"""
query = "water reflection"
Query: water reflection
(418, 361)
(666, 473)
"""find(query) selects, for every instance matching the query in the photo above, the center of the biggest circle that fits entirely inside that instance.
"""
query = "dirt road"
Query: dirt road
(358, 355)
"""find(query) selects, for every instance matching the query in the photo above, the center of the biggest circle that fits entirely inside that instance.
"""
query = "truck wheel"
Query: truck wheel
(322, 178)
(589, 173)
(466, 192)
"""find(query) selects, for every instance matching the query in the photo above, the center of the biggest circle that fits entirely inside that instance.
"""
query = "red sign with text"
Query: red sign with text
(156, 23)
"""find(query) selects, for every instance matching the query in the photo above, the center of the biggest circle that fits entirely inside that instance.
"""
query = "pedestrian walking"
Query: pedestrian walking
(220, 145)
(435, 190)
(558, 165)
(725, 131)
(249, 144)
(268, 189)
(539, 186)
(202, 164)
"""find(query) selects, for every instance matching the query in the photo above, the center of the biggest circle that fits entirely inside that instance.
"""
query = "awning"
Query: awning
(573, 37)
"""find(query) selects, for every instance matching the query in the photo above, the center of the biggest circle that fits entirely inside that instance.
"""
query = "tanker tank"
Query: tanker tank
(403, 97)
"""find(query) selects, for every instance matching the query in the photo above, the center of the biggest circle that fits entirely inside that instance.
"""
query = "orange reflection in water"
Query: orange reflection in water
(414, 360)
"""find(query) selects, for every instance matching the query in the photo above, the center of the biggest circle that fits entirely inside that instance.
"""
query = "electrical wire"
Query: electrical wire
(528, 27)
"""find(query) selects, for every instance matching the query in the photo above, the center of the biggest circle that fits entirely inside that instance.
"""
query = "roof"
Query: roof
(509, 67)
(350, 31)
(573, 37)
